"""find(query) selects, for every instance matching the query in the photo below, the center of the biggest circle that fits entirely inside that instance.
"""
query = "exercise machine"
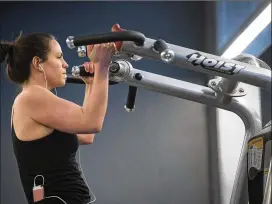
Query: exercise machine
(225, 91)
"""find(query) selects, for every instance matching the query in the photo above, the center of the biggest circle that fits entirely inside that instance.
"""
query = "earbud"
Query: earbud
(40, 68)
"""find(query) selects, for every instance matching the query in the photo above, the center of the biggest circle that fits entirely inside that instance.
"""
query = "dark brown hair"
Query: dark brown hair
(19, 54)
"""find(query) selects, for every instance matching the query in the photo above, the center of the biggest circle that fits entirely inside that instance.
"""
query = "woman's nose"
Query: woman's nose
(65, 65)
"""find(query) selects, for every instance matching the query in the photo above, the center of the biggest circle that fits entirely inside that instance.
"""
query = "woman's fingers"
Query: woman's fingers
(89, 48)
(92, 49)
(100, 52)
(113, 47)
(91, 67)
(86, 66)
(94, 54)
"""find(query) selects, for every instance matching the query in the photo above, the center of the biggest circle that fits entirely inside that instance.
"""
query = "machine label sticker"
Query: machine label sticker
(267, 156)
(213, 64)
(255, 152)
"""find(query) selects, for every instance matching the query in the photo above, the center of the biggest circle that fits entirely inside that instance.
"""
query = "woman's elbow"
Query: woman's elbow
(89, 141)
(86, 139)
(97, 128)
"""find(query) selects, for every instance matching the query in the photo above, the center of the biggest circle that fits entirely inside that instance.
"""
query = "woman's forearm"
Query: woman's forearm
(88, 89)
(95, 104)
(86, 138)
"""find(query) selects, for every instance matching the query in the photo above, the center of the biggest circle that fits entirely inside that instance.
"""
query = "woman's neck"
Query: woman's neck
(32, 82)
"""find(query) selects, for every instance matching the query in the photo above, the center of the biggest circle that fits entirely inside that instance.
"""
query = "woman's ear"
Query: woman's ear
(36, 63)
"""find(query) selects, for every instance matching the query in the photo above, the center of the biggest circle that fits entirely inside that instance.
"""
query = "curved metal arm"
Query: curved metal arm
(205, 63)
(203, 95)
(197, 93)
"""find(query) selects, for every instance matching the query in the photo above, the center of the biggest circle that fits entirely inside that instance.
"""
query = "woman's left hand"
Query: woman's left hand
(89, 67)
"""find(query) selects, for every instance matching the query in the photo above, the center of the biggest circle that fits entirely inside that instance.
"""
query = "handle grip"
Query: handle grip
(130, 104)
(75, 80)
(80, 71)
(128, 35)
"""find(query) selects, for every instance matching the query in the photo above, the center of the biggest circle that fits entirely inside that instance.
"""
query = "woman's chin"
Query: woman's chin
(60, 83)
(63, 82)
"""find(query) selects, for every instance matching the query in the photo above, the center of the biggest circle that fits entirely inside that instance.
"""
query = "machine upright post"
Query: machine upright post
(267, 192)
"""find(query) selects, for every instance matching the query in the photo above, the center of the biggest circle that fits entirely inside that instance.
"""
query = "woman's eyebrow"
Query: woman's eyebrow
(60, 53)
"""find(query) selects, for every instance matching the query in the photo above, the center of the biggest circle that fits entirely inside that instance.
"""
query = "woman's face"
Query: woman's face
(55, 66)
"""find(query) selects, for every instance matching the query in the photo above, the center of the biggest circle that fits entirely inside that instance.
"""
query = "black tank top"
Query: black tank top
(54, 157)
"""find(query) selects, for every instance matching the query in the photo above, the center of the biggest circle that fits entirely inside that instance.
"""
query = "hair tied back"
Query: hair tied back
(6, 50)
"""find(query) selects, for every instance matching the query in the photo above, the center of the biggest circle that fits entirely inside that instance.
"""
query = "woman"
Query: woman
(46, 129)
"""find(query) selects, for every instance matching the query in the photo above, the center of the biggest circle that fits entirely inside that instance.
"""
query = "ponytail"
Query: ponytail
(6, 50)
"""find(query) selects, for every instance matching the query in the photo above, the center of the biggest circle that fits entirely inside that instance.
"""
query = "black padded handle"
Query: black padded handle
(128, 35)
(83, 73)
(80, 70)
(75, 80)
(130, 104)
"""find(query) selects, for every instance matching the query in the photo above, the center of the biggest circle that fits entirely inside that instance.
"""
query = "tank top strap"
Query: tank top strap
(11, 121)
(13, 133)
(11, 117)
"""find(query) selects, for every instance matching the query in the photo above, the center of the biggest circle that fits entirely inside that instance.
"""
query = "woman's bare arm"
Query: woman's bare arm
(85, 139)
(52, 111)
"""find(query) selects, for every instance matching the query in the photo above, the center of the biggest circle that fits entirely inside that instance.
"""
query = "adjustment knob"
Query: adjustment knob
(81, 51)
(161, 47)
(167, 55)
(138, 76)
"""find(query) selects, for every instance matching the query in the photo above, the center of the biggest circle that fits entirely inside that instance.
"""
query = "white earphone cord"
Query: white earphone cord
(83, 178)
(44, 76)
(78, 161)
(46, 80)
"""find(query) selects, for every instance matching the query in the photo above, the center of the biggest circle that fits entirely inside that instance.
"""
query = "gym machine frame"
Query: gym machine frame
(224, 92)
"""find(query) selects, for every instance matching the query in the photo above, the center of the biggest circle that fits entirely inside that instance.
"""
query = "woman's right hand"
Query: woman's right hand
(101, 54)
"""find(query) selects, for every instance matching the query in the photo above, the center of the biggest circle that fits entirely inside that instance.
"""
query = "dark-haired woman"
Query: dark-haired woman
(46, 129)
